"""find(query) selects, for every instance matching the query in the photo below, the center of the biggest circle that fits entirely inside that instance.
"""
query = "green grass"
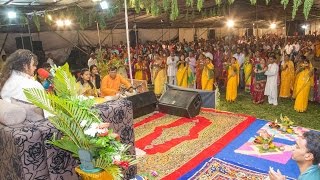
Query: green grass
(244, 105)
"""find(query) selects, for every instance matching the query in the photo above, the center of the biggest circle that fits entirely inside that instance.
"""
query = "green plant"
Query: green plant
(80, 124)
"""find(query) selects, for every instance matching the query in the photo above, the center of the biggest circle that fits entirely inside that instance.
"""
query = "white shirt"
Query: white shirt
(271, 88)
(172, 65)
(92, 62)
(14, 86)
(288, 48)
(297, 47)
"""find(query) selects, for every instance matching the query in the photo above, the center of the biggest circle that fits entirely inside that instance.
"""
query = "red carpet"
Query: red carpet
(175, 145)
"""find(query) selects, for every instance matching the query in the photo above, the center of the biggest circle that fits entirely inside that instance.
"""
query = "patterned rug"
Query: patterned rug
(218, 169)
(175, 145)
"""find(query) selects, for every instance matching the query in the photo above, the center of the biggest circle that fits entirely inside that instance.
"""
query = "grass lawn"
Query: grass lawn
(244, 105)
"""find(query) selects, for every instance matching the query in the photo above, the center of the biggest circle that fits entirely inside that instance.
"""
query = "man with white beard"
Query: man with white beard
(271, 89)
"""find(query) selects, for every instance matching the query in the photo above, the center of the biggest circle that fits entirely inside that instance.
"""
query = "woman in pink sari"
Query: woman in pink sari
(259, 81)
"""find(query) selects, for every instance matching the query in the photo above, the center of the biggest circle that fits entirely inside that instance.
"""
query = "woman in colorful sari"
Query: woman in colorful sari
(199, 68)
(303, 84)
(259, 82)
(207, 76)
(159, 74)
(247, 71)
(287, 77)
(233, 80)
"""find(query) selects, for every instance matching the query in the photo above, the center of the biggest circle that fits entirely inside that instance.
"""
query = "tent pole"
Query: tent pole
(30, 36)
(128, 41)
(99, 35)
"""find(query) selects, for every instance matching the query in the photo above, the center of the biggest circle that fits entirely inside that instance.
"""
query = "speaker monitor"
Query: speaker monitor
(24, 42)
(37, 45)
(143, 103)
(180, 103)
(249, 32)
(294, 28)
(133, 36)
(212, 34)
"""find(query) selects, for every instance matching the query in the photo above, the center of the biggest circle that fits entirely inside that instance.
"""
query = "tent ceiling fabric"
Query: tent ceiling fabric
(241, 11)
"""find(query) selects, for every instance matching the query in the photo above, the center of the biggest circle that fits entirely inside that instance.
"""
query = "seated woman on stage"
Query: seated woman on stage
(86, 86)
(18, 74)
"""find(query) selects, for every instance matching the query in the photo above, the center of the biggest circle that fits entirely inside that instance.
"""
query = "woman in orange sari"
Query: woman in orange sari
(233, 80)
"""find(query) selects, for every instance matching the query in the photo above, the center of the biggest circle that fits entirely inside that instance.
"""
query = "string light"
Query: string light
(273, 26)
(65, 22)
(49, 17)
(230, 23)
(104, 5)
(12, 14)
(60, 23)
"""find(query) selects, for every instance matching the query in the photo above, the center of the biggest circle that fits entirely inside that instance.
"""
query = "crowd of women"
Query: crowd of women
(231, 65)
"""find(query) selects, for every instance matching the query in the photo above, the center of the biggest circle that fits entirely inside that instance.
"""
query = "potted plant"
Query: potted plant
(83, 132)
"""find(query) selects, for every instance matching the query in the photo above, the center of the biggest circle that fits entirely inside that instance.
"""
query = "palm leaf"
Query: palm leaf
(64, 83)
(64, 143)
(114, 170)
(39, 97)
(66, 125)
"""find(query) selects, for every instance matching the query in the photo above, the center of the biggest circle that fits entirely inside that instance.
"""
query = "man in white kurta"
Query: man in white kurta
(271, 89)
(172, 68)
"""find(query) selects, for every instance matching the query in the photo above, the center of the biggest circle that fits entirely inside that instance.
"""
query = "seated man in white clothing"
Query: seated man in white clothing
(17, 74)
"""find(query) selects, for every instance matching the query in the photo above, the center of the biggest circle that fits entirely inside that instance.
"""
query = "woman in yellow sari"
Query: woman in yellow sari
(303, 84)
(182, 72)
(247, 72)
(158, 74)
(140, 69)
(287, 78)
(207, 76)
(233, 80)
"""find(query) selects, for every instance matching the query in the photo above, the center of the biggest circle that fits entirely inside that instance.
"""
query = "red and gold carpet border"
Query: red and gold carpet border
(215, 147)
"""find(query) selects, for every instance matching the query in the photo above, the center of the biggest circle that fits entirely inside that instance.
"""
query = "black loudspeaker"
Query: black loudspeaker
(37, 45)
(41, 57)
(143, 103)
(249, 32)
(133, 36)
(24, 42)
(180, 103)
(294, 28)
(212, 34)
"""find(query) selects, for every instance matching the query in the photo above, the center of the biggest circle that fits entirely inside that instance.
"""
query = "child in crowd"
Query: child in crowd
(43, 76)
